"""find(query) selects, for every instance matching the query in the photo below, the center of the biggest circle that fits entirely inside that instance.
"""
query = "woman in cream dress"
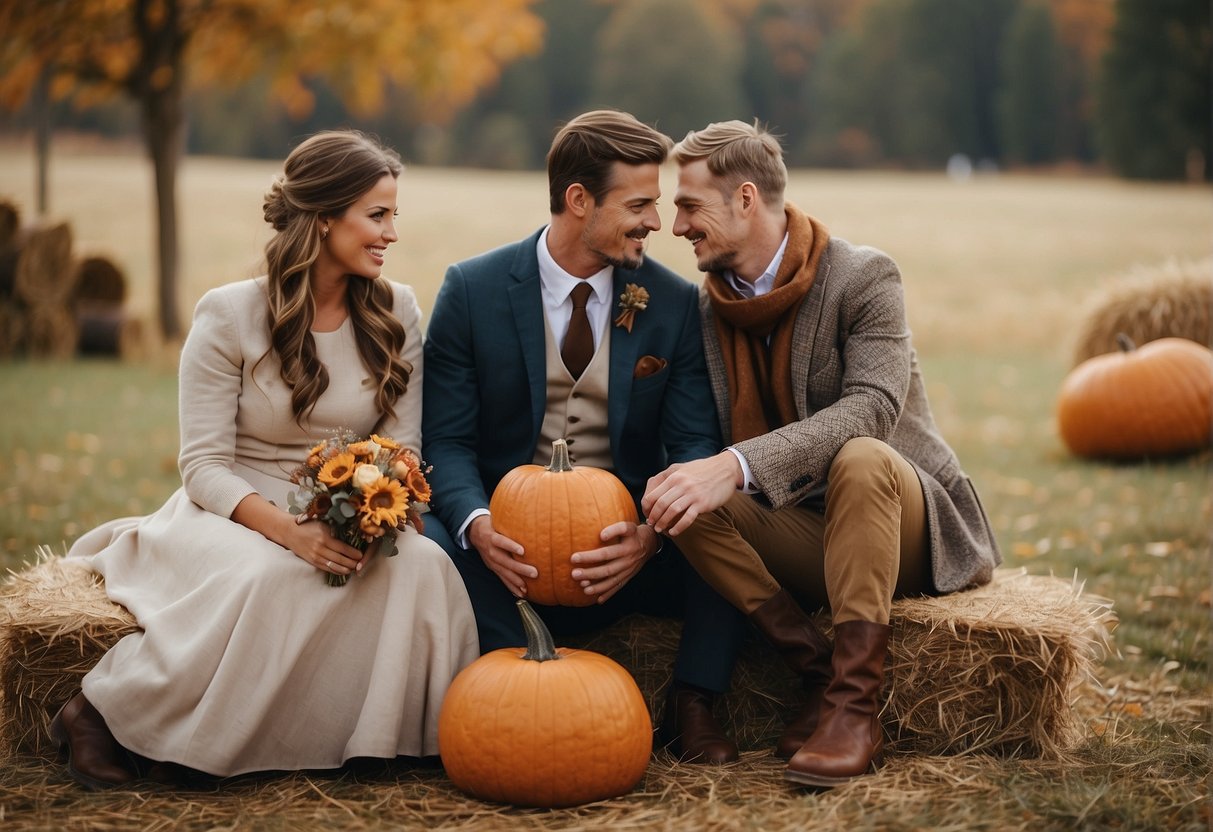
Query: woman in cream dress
(247, 659)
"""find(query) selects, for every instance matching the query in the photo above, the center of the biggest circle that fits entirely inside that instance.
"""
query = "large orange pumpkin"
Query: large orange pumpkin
(1153, 400)
(556, 511)
(544, 726)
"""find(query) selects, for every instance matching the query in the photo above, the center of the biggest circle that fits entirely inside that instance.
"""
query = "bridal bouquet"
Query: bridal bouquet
(367, 490)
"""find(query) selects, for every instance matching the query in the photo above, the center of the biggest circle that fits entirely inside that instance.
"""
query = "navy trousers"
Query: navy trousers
(713, 630)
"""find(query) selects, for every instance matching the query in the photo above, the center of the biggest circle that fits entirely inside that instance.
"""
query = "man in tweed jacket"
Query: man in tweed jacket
(836, 488)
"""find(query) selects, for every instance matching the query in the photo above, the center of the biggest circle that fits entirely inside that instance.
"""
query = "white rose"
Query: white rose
(366, 475)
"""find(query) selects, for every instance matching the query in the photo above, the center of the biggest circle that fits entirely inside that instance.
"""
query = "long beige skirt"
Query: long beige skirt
(248, 661)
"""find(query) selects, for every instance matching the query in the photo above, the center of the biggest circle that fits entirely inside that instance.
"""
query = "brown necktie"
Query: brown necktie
(578, 346)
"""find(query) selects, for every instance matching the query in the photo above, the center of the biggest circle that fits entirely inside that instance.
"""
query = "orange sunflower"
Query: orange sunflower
(385, 503)
(363, 449)
(337, 470)
(385, 442)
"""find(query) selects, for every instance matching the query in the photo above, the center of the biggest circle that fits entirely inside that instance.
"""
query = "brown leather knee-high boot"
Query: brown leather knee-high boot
(848, 739)
(803, 647)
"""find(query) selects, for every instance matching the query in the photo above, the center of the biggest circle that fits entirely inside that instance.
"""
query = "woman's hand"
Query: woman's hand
(311, 541)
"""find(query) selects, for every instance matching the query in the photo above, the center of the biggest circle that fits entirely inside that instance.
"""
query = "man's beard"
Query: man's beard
(619, 261)
(720, 263)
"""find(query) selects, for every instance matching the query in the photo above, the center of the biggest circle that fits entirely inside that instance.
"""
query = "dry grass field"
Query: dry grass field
(997, 270)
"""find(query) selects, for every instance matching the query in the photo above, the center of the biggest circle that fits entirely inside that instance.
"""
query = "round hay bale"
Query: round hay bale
(12, 328)
(51, 331)
(1171, 300)
(8, 262)
(107, 329)
(44, 274)
(99, 279)
(10, 222)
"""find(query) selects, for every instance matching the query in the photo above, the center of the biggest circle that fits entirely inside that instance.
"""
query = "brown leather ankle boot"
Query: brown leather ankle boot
(690, 730)
(95, 760)
(848, 739)
(803, 647)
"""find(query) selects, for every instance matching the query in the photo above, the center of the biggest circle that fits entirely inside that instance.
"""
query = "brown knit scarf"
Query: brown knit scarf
(760, 375)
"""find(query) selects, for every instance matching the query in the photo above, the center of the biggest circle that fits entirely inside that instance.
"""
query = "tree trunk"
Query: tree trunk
(42, 139)
(158, 87)
(165, 129)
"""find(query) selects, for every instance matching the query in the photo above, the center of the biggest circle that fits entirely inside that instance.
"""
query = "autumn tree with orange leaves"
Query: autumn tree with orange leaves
(151, 50)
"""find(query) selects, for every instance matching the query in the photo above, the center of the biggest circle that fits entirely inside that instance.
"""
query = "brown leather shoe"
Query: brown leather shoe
(803, 647)
(95, 760)
(848, 739)
(691, 732)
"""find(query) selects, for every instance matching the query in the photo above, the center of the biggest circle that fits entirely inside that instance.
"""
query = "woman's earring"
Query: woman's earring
(324, 233)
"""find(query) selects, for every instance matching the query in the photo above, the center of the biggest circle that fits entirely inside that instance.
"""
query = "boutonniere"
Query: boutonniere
(634, 299)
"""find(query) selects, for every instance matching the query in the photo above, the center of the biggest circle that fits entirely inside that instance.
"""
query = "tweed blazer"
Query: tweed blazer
(855, 373)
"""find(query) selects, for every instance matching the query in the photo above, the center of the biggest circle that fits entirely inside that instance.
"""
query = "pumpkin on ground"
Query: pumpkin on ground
(1153, 400)
(553, 512)
(544, 726)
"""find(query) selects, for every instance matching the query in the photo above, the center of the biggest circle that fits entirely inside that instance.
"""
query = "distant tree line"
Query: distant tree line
(847, 83)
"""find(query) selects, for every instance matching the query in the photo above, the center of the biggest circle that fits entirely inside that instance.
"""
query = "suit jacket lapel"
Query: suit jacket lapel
(624, 348)
(526, 303)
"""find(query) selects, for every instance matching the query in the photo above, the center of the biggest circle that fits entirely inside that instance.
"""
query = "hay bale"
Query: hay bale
(12, 328)
(45, 275)
(10, 222)
(55, 624)
(994, 669)
(107, 329)
(1171, 300)
(51, 331)
(99, 279)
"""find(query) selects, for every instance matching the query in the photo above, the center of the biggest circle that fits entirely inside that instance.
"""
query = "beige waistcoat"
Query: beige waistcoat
(577, 410)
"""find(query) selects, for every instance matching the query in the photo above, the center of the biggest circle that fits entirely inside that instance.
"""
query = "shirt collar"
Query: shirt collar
(765, 281)
(560, 284)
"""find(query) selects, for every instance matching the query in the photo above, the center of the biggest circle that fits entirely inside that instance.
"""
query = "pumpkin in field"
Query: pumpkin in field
(544, 726)
(1153, 400)
(556, 511)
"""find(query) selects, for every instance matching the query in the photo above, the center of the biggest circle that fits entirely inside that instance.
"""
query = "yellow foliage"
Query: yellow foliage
(444, 50)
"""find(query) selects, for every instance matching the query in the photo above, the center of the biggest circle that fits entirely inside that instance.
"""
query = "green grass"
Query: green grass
(996, 276)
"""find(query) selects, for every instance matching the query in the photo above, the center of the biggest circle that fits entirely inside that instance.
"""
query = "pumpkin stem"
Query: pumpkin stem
(1125, 342)
(560, 457)
(539, 644)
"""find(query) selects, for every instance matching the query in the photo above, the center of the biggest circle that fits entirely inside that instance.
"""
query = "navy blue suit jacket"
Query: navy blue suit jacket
(485, 379)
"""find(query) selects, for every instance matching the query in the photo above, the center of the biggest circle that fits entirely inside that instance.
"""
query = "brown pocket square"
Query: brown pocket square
(648, 365)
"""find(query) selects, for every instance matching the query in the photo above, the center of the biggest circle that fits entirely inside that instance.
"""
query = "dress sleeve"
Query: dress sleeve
(405, 426)
(210, 381)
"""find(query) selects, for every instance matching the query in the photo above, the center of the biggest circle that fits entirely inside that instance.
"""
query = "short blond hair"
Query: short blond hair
(737, 152)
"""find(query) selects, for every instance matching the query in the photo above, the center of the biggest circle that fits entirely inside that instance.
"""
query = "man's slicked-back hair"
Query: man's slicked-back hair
(585, 148)
(737, 152)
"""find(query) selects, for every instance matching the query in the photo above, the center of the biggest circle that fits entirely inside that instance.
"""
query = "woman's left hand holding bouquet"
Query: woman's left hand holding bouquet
(311, 541)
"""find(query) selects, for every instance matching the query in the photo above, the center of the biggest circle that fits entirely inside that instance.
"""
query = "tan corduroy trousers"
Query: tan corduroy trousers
(869, 547)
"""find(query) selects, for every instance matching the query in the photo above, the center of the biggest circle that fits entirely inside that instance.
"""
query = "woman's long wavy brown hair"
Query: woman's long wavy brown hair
(323, 177)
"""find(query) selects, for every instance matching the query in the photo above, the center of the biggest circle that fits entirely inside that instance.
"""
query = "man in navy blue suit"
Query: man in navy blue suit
(536, 341)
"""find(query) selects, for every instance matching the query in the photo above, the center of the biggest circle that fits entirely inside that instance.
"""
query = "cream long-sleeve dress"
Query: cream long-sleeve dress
(247, 660)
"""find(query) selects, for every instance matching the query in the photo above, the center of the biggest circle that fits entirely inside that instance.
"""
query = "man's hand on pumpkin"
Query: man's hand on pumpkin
(605, 570)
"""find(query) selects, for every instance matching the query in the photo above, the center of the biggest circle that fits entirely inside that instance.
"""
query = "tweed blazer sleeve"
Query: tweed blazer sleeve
(851, 364)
